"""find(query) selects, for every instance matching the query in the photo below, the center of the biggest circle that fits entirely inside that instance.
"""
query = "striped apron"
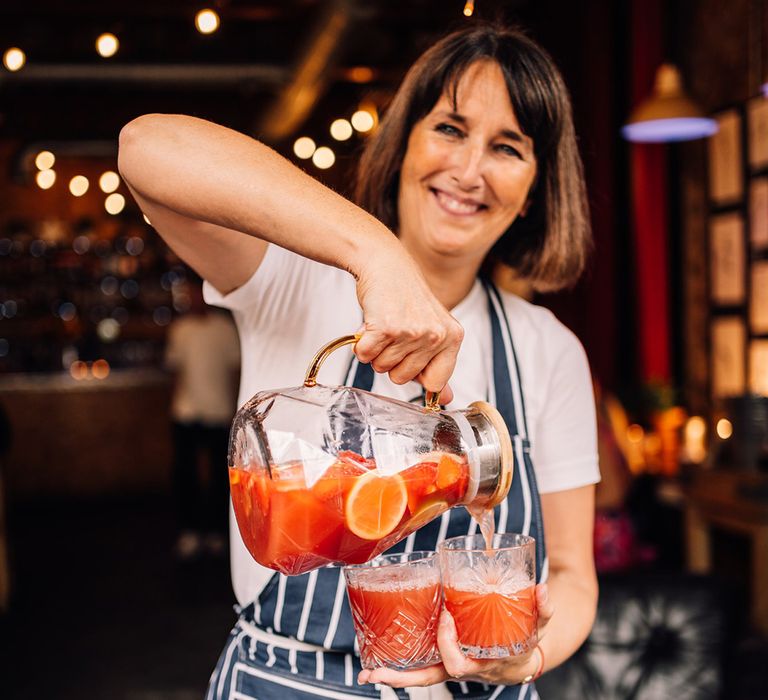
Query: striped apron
(297, 641)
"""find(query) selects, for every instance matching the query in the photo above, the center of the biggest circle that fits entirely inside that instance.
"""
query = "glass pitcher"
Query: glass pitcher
(336, 475)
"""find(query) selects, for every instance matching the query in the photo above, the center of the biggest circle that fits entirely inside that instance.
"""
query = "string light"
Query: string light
(107, 45)
(109, 181)
(363, 120)
(14, 59)
(469, 8)
(323, 157)
(207, 21)
(115, 203)
(44, 160)
(45, 179)
(341, 129)
(79, 185)
(304, 147)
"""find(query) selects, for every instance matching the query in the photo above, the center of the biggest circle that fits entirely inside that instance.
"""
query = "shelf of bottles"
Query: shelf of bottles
(86, 297)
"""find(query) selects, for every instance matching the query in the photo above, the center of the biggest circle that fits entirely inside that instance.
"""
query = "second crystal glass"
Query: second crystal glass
(396, 601)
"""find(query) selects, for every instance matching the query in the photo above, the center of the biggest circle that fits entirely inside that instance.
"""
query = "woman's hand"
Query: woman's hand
(407, 332)
(457, 667)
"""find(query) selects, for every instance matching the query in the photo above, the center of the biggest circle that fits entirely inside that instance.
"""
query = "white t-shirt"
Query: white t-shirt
(204, 352)
(292, 306)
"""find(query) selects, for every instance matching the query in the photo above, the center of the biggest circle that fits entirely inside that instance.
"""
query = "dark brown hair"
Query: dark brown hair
(550, 244)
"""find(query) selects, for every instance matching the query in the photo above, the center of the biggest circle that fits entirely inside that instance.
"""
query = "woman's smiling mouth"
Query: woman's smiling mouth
(458, 206)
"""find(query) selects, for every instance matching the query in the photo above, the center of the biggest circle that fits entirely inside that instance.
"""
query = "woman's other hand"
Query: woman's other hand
(407, 332)
(457, 667)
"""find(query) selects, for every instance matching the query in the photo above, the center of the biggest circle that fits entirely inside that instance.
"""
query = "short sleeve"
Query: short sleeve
(276, 264)
(565, 450)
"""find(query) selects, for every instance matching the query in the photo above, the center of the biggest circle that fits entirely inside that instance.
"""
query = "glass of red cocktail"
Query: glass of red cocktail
(396, 601)
(491, 593)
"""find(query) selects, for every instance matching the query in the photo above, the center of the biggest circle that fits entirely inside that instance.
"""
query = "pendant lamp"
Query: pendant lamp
(669, 114)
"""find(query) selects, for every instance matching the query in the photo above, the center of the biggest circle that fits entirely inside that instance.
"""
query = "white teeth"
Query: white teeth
(454, 205)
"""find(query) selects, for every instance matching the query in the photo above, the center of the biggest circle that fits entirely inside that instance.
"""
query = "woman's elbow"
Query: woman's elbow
(133, 137)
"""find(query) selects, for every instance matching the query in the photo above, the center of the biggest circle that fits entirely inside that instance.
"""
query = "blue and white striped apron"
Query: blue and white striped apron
(297, 642)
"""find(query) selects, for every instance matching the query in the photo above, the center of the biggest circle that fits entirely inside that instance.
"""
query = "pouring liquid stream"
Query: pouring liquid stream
(486, 521)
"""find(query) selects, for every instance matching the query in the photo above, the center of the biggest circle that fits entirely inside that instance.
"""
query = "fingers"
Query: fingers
(545, 606)
(426, 353)
(404, 679)
(456, 664)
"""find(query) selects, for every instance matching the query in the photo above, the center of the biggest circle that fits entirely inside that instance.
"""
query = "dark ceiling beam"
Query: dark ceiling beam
(311, 73)
(151, 75)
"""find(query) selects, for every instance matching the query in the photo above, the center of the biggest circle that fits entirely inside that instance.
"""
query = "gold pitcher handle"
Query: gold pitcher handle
(431, 400)
(310, 379)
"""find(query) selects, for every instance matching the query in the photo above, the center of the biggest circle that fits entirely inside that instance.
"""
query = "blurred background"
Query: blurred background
(98, 595)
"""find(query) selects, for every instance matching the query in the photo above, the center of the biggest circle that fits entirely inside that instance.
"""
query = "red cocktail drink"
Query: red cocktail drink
(351, 513)
(491, 594)
(396, 601)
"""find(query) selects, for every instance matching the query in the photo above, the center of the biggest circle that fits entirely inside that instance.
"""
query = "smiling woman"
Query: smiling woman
(475, 158)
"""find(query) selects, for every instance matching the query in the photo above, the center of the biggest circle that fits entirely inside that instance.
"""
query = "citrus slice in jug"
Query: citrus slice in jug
(375, 505)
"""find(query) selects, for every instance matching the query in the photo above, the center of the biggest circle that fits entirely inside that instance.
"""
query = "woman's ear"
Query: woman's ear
(525, 207)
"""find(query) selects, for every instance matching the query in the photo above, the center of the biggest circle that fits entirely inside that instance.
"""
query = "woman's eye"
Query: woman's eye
(449, 130)
(506, 149)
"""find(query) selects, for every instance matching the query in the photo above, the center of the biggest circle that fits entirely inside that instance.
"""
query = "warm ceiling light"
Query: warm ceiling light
(341, 129)
(304, 147)
(115, 203)
(359, 74)
(363, 120)
(206, 21)
(107, 45)
(44, 160)
(45, 179)
(669, 114)
(323, 157)
(14, 59)
(78, 185)
(146, 219)
(469, 8)
(109, 181)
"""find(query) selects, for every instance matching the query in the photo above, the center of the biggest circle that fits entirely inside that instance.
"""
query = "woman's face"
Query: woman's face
(467, 171)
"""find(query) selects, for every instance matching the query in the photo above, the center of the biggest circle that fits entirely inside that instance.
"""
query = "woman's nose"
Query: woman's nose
(468, 166)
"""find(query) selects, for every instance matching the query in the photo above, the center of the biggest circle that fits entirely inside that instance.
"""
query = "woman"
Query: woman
(475, 157)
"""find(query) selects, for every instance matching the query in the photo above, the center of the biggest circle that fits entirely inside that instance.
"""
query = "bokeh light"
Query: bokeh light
(14, 59)
(304, 147)
(107, 45)
(79, 185)
(724, 428)
(109, 181)
(115, 203)
(341, 129)
(323, 157)
(363, 120)
(44, 160)
(45, 179)
(207, 21)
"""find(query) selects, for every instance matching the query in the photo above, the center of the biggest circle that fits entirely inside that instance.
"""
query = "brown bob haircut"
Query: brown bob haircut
(550, 244)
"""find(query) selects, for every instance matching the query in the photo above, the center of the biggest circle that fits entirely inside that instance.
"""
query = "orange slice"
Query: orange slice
(375, 505)
(449, 471)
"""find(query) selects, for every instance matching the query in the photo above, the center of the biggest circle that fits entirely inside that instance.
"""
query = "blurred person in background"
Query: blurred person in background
(203, 353)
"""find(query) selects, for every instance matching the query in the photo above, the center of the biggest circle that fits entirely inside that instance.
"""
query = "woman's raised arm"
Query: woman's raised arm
(204, 186)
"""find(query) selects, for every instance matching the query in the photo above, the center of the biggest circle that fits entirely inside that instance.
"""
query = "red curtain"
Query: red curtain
(648, 169)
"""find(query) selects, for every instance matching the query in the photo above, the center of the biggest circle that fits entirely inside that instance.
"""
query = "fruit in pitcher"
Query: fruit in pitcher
(375, 505)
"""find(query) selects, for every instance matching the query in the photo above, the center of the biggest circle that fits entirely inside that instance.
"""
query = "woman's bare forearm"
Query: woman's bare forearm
(208, 173)
(575, 604)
